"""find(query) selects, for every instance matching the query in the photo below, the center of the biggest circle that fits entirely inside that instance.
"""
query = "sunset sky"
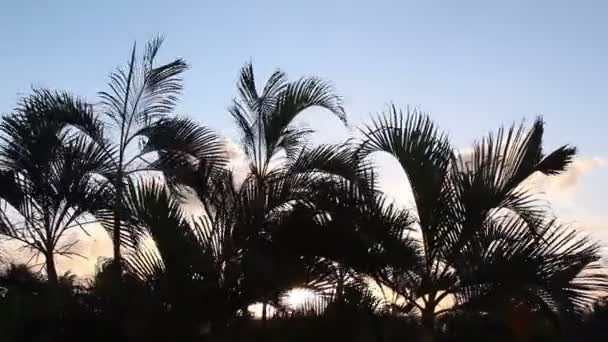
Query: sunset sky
(473, 65)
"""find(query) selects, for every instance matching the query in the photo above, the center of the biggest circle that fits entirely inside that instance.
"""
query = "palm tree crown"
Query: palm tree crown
(48, 176)
(474, 212)
(136, 133)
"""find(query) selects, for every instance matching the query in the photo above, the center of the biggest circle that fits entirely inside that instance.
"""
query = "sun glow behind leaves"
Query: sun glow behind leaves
(294, 298)
(291, 300)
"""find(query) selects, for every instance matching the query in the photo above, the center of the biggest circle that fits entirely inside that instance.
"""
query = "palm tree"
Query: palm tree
(190, 266)
(201, 267)
(134, 129)
(558, 273)
(461, 203)
(47, 176)
(265, 120)
(348, 227)
(281, 168)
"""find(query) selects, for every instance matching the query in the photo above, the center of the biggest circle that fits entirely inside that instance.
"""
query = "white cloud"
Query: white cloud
(568, 182)
(574, 201)
(93, 246)
(237, 160)
(570, 197)
(89, 247)
(393, 180)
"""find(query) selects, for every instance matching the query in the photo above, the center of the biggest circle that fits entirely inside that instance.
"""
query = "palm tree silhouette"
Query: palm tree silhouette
(281, 169)
(478, 251)
(47, 176)
(190, 267)
(136, 107)
(473, 214)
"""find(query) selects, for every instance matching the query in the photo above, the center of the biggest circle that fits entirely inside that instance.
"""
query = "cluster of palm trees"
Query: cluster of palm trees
(477, 240)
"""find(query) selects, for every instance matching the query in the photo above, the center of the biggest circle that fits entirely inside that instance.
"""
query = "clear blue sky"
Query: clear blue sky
(472, 64)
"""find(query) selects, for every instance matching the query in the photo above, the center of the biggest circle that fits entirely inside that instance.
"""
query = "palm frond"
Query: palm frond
(424, 154)
(245, 125)
(11, 192)
(557, 161)
(336, 160)
(142, 92)
(294, 98)
(181, 144)
(152, 209)
(559, 270)
(65, 111)
(247, 88)
(146, 265)
(265, 120)
(293, 140)
(493, 177)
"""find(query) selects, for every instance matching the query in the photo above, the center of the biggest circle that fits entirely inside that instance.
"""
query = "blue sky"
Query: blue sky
(473, 65)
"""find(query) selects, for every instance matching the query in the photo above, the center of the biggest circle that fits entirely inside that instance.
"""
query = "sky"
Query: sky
(472, 65)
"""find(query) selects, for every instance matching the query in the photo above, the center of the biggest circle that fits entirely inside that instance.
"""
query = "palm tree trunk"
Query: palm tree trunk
(116, 237)
(264, 311)
(51, 271)
(117, 308)
(377, 328)
(116, 244)
(428, 324)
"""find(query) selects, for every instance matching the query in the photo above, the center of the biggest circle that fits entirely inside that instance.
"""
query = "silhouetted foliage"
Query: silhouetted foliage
(46, 172)
(477, 219)
(197, 244)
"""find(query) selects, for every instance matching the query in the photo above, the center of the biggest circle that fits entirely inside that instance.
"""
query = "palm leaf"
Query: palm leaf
(425, 156)
(142, 92)
(182, 142)
(560, 270)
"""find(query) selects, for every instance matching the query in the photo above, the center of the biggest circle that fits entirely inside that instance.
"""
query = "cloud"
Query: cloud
(568, 182)
(574, 202)
(564, 184)
(88, 247)
(237, 160)
(393, 180)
